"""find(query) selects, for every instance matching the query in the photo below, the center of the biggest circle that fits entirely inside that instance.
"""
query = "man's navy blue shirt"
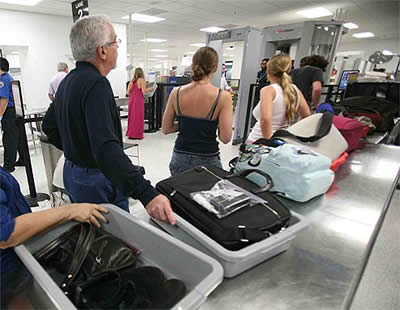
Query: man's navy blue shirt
(5, 88)
(12, 205)
(83, 121)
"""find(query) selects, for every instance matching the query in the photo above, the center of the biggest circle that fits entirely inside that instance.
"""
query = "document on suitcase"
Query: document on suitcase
(243, 227)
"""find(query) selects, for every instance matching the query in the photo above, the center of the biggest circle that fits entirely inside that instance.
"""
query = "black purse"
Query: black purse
(82, 253)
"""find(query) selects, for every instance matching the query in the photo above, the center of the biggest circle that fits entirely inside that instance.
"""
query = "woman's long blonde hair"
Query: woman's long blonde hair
(279, 66)
(138, 74)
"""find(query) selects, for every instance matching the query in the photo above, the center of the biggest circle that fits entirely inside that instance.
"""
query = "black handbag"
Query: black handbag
(84, 252)
(96, 270)
(237, 230)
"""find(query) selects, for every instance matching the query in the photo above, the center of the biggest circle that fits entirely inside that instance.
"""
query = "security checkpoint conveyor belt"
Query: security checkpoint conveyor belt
(320, 269)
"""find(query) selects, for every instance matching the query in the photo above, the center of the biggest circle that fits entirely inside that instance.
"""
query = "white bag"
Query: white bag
(317, 133)
(297, 173)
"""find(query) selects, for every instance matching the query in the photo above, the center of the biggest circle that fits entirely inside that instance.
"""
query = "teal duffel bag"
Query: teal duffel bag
(297, 173)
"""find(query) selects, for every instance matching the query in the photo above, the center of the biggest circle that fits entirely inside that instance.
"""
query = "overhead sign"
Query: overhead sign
(80, 8)
(221, 35)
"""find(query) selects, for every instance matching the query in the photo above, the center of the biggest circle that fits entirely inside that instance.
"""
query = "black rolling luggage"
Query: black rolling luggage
(252, 223)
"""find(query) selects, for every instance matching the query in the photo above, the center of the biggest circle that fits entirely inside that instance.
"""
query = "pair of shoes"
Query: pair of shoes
(19, 163)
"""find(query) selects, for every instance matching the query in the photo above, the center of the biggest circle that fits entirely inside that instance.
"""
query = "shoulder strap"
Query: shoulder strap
(212, 110)
(83, 246)
(177, 101)
(324, 128)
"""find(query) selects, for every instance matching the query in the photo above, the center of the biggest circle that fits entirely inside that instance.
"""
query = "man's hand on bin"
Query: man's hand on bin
(160, 209)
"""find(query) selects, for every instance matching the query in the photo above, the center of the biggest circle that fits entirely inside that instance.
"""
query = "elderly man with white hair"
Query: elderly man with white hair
(83, 121)
(55, 81)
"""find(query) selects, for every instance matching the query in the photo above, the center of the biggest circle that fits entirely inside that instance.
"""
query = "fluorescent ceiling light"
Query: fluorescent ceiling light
(349, 53)
(143, 18)
(212, 29)
(21, 2)
(350, 25)
(362, 35)
(315, 12)
(158, 50)
(161, 56)
(153, 59)
(198, 44)
(153, 40)
(190, 52)
(387, 52)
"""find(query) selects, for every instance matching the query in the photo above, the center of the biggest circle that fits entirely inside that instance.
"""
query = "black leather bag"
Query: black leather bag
(85, 252)
(96, 270)
(237, 230)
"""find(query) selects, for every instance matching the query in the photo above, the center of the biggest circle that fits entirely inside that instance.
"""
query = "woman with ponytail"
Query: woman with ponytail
(279, 102)
(198, 111)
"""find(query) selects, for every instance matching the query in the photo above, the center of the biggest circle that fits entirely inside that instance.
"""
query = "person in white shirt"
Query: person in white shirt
(279, 102)
(62, 69)
(224, 83)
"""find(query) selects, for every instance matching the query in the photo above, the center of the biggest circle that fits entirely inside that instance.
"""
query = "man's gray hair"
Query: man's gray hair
(87, 34)
(61, 66)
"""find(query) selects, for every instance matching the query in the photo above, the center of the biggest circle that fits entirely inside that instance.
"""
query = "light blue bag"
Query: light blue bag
(297, 173)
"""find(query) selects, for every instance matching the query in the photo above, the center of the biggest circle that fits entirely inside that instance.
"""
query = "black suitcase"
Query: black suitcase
(237, 230)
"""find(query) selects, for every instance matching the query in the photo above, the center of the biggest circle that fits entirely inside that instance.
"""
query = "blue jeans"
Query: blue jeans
(90, 185)
(181, 162)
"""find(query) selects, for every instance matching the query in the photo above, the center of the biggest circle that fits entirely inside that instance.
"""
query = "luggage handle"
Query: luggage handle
(245, 172)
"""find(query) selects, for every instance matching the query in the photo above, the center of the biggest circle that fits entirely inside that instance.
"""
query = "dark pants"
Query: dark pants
(10, 138)
(90, 185)
(14, 285)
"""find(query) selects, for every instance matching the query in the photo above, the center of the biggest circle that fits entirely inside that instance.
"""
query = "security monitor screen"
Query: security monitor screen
(348, 76)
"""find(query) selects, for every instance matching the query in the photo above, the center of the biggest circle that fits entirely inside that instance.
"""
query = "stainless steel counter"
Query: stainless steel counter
(316, 272)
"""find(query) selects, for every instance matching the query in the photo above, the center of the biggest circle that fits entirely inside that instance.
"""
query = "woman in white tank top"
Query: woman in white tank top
(279, 102)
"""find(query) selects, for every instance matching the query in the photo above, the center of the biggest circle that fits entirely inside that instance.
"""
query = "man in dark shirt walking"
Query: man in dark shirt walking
(83, 121)
(262, 74)
(309, 78)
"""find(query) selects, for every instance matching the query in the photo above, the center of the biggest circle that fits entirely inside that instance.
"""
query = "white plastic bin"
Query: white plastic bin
(200, 273)
(233, 262)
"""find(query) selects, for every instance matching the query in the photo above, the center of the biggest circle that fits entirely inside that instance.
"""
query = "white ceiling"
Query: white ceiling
(184, 18)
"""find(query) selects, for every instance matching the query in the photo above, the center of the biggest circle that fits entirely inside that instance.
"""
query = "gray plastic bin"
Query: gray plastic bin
(200, 273)
(233, 262)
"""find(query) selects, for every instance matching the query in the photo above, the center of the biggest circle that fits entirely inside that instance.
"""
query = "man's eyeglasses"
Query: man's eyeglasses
(116, 41)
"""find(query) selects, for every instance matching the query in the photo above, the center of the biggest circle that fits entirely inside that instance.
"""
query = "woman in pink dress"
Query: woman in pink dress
(136, 90)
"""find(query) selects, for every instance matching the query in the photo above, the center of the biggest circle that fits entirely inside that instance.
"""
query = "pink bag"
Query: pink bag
(351, 130)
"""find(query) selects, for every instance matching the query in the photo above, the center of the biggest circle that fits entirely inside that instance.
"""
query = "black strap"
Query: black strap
(324, 128)
(212, 110)
(83, 246)
(241, 233)
(177, 101)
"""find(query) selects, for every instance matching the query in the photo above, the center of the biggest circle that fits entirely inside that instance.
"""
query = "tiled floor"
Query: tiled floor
(154, 150)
